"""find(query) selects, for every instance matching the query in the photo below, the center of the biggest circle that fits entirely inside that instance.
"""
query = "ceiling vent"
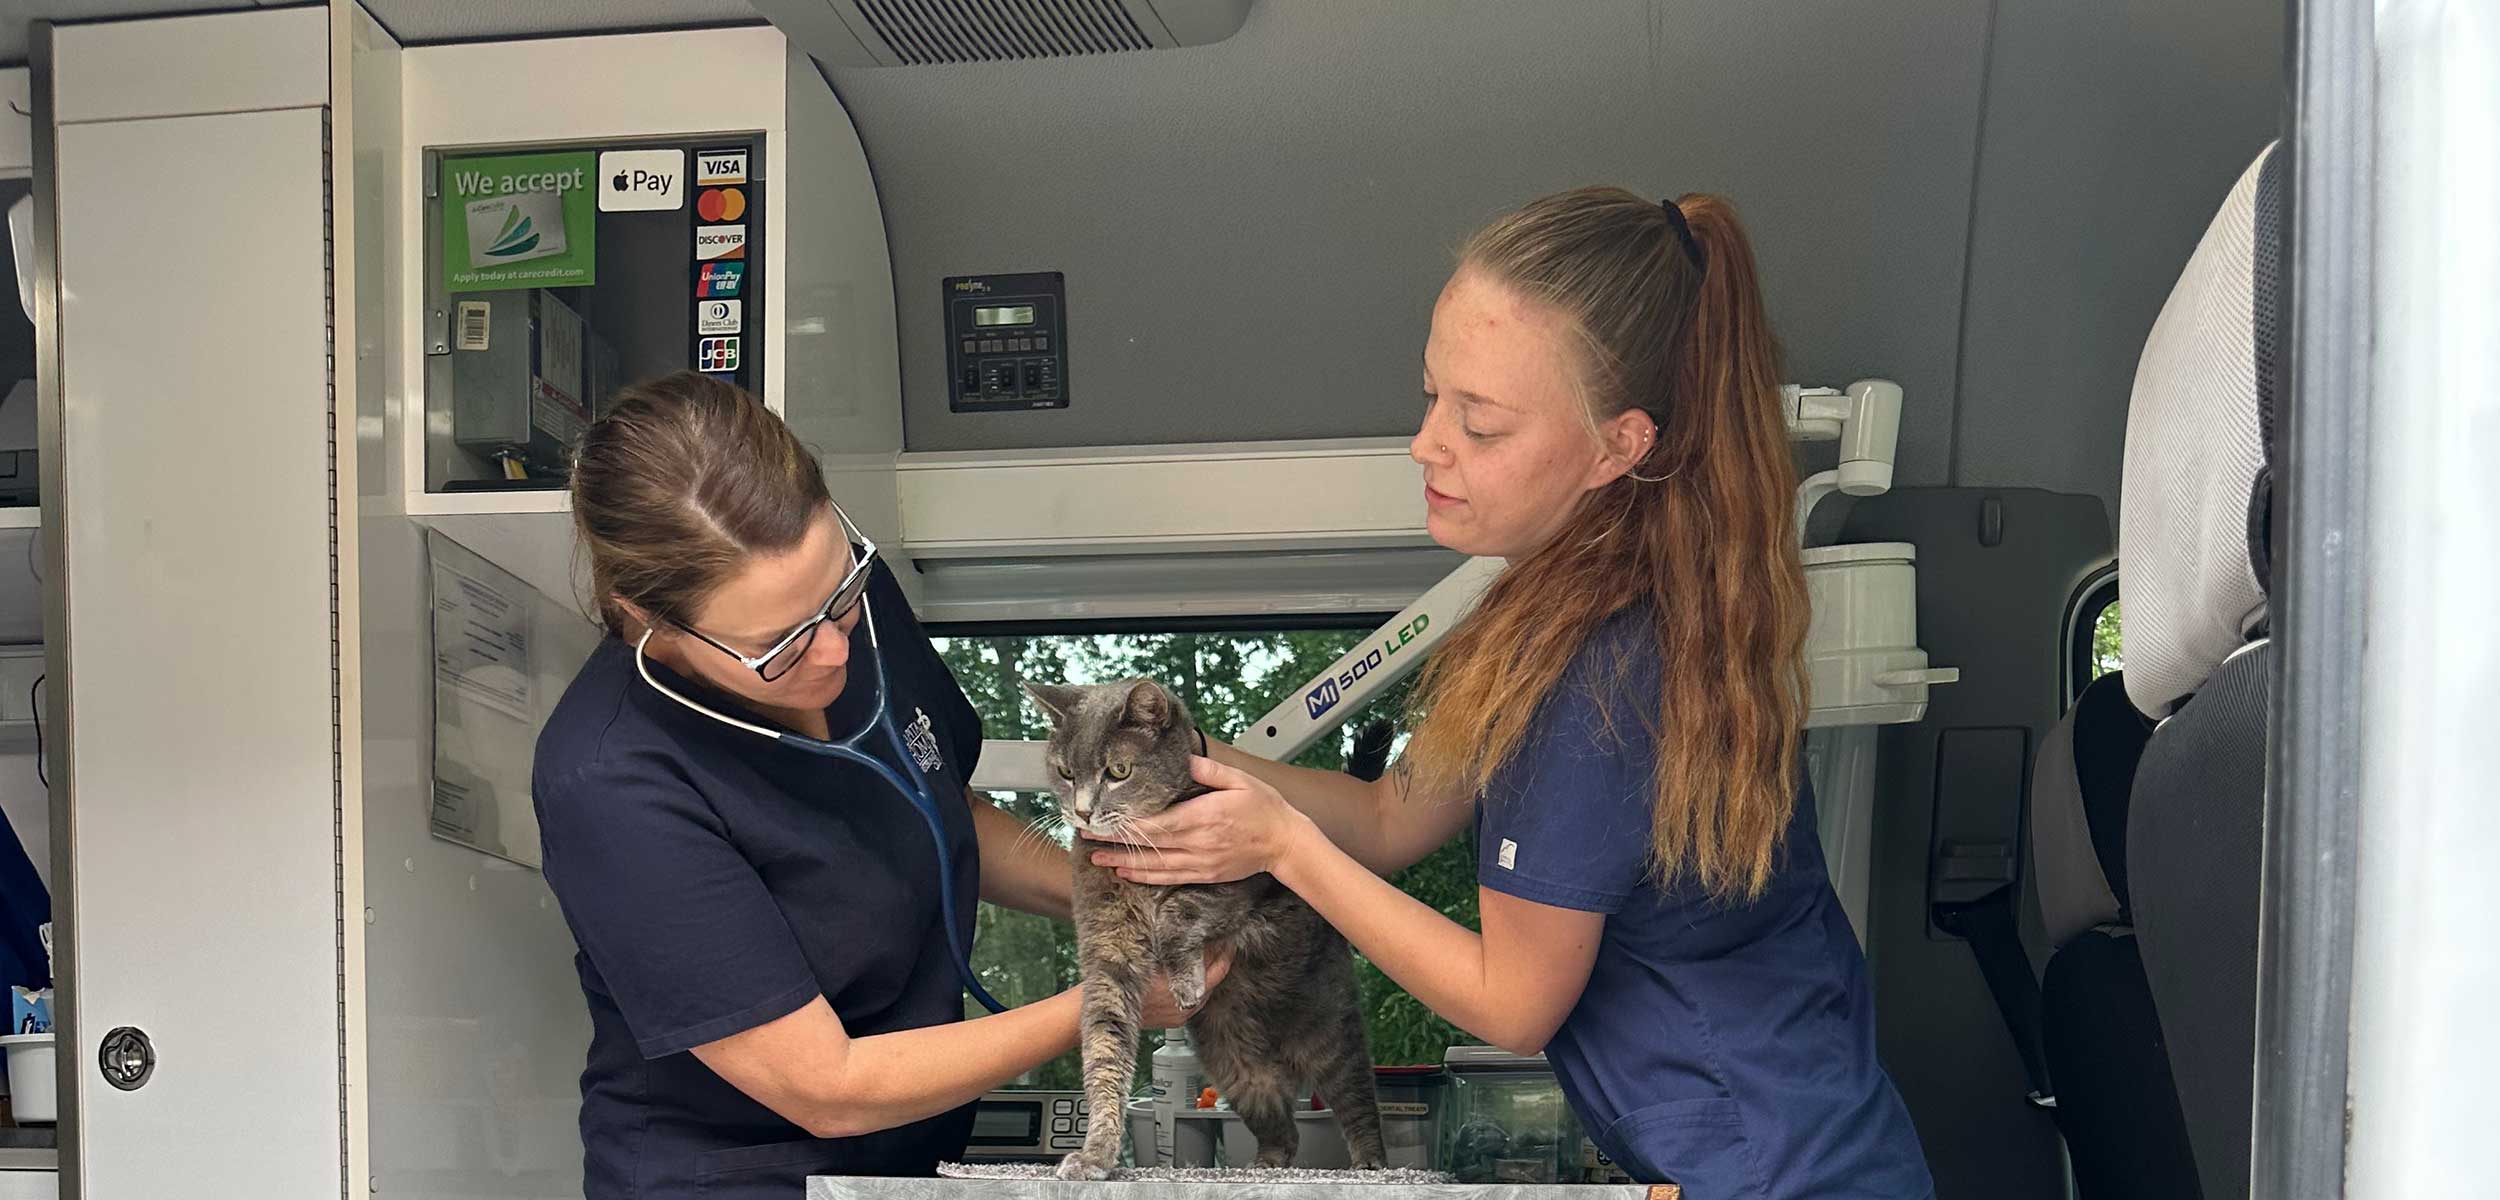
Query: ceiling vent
(919, 33)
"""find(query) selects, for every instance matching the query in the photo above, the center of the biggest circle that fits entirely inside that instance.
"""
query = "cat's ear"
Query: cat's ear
(1056, 701)
(1150, 707)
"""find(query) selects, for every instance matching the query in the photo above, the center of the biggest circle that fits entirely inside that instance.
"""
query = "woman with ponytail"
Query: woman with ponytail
(1619, 717)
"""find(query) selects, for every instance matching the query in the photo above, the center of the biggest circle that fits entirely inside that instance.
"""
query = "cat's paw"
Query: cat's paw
(1076, 1167)
(1370, 1164)
(1274, 1160)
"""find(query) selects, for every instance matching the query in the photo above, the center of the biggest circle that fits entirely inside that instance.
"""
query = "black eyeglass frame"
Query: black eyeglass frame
(846, 596)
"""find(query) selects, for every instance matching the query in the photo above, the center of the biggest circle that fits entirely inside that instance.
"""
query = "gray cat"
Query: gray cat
(1285, 1018)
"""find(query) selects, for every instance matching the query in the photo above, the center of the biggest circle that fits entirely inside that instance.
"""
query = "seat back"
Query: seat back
(2193, 547)
(2117, 1105)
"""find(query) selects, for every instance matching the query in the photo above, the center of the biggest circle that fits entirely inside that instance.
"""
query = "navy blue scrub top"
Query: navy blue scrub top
(715, 881)
(1729, 1048)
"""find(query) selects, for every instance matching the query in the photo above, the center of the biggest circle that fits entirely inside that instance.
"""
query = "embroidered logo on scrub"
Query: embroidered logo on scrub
(1509, 854)
(921, 739)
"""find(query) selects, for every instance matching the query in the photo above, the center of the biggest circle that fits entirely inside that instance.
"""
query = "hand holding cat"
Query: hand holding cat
(1162, 1011)
(1242, 828)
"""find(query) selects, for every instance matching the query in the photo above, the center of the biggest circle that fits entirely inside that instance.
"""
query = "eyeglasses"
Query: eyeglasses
(786, 653)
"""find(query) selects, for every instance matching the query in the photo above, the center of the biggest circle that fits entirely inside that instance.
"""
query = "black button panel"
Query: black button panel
(1006, 342)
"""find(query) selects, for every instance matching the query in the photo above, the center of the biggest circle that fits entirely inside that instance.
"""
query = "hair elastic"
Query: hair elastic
(1684, 234)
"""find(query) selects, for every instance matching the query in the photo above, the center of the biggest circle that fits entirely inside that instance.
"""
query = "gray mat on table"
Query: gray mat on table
(1395, 1175)
(1037, 1182)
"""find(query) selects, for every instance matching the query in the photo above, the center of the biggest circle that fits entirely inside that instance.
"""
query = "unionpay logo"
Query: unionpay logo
(720, 279)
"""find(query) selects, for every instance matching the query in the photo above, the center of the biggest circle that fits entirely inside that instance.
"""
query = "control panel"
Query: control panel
(1027, 1126)
(1006, 342)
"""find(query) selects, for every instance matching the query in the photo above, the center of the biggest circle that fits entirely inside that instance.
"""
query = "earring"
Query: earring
(1649, 443)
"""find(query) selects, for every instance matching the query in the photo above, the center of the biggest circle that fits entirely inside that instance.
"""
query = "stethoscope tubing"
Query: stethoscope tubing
(914, 790)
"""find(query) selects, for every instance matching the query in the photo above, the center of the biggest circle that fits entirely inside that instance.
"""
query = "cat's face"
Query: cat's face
(1119, 752)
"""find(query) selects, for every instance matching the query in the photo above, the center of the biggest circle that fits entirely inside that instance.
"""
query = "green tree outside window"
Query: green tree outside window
(1228, 680)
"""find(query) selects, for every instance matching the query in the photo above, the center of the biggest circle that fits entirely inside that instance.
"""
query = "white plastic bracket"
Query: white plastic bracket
(1865, 419)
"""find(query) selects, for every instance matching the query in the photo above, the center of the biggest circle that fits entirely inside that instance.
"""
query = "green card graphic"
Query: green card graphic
(520, 221)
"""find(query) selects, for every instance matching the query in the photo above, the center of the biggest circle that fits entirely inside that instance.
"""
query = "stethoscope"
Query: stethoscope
(910, 781)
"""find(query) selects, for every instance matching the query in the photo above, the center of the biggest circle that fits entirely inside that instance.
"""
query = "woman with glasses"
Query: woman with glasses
(772, 927)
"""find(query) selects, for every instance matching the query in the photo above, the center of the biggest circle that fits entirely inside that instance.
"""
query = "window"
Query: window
(2105, 658)
(2093, 633)
(1228, 678)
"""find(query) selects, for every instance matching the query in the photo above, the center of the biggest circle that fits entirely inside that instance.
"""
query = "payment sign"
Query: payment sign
(718, 354)
(715, 243)
(719, 279)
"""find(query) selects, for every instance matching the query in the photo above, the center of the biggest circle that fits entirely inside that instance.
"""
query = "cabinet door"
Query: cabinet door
(196, 537)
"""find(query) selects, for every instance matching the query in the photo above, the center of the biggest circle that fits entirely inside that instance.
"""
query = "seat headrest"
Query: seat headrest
(2196, 452)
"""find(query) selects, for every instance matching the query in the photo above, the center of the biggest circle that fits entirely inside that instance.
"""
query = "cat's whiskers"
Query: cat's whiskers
(1126, 825)
(1041, 829)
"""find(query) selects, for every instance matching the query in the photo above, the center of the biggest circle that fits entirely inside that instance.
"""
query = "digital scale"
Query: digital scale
(1026, 1126)
(1006, 342)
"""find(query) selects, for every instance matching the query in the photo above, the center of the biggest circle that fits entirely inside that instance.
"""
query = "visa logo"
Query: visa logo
(713, 170)
(1322, 698)
(719, 279)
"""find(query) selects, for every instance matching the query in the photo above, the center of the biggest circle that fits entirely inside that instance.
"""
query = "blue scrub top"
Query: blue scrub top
(1729, 1048)
(715, 881)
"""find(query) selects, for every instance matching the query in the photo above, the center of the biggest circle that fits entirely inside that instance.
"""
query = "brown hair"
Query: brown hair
(683, 480)
(1677, 330)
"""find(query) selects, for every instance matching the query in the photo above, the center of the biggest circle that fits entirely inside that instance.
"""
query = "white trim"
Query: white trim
(1012, 766)
(1166, 499)
(191, 66)
(2424, 967)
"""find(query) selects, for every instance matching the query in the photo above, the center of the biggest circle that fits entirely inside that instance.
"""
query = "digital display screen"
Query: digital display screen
(1006, 1125)
(1019, 314)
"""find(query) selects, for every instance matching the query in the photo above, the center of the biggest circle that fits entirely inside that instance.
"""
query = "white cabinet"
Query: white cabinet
(195, 538)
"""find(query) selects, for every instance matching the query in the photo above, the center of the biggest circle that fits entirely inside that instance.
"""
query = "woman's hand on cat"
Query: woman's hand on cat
(1242, 828)
(1163, 1011)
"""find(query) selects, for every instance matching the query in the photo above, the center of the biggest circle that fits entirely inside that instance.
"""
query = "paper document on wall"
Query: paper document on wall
(482, 634)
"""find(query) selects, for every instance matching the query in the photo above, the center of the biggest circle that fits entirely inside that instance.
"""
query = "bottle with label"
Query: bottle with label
(1177, 1080)
(1595, 1167)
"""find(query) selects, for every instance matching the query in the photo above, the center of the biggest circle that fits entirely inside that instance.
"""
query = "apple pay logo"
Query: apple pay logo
(642, 180)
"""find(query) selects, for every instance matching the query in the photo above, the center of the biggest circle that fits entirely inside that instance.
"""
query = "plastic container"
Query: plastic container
(1506, 1120)
(1140, 1150)
(34, 1088)
(1176, 1078)
(1217, 1137)
(1412, 1100)
(1862, 653)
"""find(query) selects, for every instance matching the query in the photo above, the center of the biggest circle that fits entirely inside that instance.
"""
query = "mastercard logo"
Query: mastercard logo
(721, 204)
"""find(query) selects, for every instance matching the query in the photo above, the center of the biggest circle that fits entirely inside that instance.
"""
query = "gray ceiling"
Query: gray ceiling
(1986, 200)
(411, 21)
